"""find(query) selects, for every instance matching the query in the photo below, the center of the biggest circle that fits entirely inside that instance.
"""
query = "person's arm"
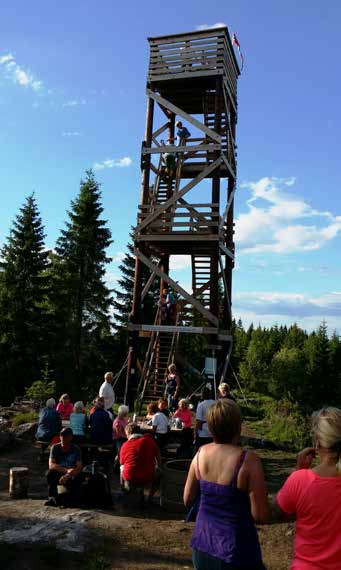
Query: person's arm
(154, 423)
(192, 484)
(55, 467)
(257, 489)
(199, 420)
(283, 505)
(177, 380)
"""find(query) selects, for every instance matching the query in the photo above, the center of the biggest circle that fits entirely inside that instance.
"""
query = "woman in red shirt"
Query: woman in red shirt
(314, 497)
(184, 414)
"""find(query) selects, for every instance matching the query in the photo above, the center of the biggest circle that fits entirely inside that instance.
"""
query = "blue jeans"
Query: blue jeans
(203, 561)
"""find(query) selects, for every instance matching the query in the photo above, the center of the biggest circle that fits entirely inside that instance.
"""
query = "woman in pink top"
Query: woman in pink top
(64, 407)
(314, 497)
(184, 414)
(119, 427)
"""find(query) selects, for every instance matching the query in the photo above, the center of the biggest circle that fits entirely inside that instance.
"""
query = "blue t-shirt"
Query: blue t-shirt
(182, 133)
(77, 423)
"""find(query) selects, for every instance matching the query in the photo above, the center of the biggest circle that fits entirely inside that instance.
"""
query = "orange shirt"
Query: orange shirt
(316, 502)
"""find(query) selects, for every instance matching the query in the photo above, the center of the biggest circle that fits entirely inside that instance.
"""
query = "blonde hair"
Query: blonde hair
(63, 396)
(224, 388)
(326, 428)
(224, 421)
(172, 368)
(184, 402)
(78, 407)
(108, 375)
(122, 411)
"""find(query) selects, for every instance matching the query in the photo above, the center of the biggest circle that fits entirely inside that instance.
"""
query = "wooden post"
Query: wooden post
(136, 311)
(18, 482)
(214, 289)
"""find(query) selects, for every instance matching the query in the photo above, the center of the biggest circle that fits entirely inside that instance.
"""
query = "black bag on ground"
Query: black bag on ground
(95, 491)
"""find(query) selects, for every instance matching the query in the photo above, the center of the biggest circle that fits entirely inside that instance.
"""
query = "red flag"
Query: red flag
(237, 44)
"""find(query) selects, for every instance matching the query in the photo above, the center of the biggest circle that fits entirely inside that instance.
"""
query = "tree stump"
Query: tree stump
(18, 482)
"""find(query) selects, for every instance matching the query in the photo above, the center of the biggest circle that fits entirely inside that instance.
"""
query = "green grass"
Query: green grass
(24, 418)
(281, 421)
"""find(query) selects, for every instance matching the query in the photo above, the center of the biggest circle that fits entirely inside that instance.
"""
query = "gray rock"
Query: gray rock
(25, 431)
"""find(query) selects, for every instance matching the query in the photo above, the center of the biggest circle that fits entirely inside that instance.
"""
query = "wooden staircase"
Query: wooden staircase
(160, 354)
(201, 272)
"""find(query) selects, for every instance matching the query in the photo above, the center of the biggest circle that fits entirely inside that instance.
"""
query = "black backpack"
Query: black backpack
(95, 491)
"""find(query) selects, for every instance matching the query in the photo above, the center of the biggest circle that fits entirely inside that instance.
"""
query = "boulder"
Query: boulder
(25, 431)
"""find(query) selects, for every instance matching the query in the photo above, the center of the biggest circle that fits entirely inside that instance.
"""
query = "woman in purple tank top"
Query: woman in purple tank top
(232, 496)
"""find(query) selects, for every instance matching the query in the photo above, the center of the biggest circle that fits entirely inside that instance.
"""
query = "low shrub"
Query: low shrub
(24, 418)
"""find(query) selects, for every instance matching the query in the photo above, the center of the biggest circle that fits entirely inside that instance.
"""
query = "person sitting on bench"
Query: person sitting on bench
(139, 460)
(100, 425)
(49, 423)
(64, 474)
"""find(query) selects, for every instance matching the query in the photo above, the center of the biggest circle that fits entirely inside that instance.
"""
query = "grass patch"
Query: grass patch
(281, 422)
(24, 418)
(98, 561)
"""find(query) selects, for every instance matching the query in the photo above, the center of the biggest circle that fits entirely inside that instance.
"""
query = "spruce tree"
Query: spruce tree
(81, 301)
(22, 302)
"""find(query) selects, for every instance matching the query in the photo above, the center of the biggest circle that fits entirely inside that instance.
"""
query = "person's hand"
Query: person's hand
(63, 479)
(305, 458)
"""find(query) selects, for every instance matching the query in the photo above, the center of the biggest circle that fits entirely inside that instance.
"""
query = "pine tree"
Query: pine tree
(124, 293)
(22, 300)
(81, 301)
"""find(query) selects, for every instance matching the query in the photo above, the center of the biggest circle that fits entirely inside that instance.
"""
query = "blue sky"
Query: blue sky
(72, 96)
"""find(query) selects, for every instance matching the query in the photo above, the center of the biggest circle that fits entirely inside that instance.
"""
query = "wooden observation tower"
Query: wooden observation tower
(192, 77)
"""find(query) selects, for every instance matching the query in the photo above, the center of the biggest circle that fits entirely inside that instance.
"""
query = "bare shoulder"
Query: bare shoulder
(252, 460)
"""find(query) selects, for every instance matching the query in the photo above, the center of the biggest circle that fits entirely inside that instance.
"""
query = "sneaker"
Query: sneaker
(51, 502)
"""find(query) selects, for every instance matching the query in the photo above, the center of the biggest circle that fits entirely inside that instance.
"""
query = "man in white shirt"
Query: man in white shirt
(202, 432)
(106, 391)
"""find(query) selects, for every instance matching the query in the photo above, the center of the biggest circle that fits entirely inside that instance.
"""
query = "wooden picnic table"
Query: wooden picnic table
(147, 428)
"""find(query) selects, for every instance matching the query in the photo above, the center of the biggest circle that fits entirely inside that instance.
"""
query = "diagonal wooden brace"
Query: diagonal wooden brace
(178, 195)
(163, 102)
(155, 269)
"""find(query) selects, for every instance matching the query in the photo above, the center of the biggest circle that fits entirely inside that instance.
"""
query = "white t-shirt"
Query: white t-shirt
(106, 391)
(161, 422)
(201, 415)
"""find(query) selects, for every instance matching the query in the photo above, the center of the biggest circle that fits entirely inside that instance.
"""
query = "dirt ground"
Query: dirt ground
(126, 537)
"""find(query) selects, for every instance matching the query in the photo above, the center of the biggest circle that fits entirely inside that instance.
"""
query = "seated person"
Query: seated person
(64, 407)
(224, 392)
(100, 425)
(49, 423)
(139, 458)
(150, 410)
(184, 414)
(78, 423)
(160, 427)
(65, 468)
(119, 427)
(162, 407)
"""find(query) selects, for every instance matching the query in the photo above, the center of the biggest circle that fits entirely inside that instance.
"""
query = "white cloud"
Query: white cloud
(74, 102)
(18, 74)
(296, 305)
(71, 134)
(118, 257)
(113, 163)
(276, 220)
(180, 262)
(203, 27)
